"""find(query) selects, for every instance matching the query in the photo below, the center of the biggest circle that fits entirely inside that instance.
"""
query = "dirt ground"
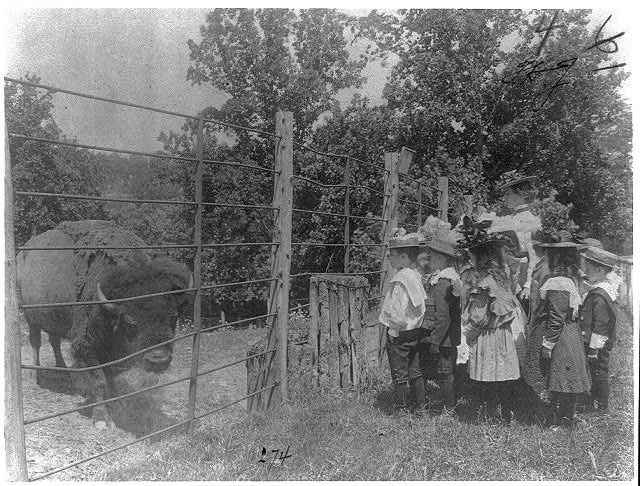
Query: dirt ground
(61, 440)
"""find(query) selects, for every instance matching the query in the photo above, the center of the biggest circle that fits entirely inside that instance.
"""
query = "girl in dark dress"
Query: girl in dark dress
(556, 366)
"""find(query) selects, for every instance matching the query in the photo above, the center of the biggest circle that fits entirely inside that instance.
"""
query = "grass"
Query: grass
(347, 435)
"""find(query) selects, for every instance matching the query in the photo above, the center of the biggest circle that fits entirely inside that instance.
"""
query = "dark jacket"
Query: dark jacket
(442, 316)
(598, 315)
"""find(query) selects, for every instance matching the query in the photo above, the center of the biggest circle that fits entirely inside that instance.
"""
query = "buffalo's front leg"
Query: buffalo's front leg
(93, 386)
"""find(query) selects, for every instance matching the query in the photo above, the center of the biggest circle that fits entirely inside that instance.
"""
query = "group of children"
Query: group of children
(454, 302)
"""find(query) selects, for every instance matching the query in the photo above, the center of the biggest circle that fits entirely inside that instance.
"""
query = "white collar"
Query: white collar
(608, 288)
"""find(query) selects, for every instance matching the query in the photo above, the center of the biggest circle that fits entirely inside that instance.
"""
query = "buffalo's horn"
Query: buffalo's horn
(105, 302)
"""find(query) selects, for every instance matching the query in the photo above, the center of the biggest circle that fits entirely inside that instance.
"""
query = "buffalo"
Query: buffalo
(108, 331)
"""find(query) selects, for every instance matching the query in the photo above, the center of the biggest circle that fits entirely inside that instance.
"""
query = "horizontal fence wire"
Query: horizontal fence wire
(152, 434)
(99, 302)
(327, 154)
(135, 105)
(146, 247)
(103, 198)
(335, 186)
(143, 390)
(234, 284)
(415, 203)
(146, 154)
(141, 201)
(143, 247)
(416, 181)
(149, 348)
(341, 215)
(317, 243)
(299, 307)
(140, 297)
(330, 245)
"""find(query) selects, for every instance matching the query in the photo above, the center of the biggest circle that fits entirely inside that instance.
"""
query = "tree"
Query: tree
(265, 60)
(44, 167)
(274, 59)
(470, 83)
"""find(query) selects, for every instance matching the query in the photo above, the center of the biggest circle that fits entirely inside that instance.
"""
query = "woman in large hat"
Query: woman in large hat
(556, 366)
(489, 320)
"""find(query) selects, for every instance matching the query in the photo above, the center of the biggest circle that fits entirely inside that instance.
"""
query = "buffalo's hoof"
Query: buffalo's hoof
(102, 419)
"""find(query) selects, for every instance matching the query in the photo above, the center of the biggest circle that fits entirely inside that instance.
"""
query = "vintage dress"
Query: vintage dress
(490, 314)
(555, 327)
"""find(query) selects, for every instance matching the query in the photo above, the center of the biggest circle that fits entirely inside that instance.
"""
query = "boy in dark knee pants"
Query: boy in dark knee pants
(598, 321)
(441, 324)
(402, 313)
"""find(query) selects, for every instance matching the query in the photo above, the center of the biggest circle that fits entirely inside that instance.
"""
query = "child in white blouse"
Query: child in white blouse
(402, 313)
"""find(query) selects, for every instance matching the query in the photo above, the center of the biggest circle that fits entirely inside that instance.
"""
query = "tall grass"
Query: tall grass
(348, 435)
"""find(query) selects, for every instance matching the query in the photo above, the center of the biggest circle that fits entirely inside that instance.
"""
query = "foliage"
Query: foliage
(264, 60)
(269, 59)
(143, 178)
(467, 82)
(44, 167)
(554, 216)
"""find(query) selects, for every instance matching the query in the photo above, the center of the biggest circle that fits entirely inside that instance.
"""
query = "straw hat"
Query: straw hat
(512, 178)
(402, 239)
(438, 236)
(600, 256)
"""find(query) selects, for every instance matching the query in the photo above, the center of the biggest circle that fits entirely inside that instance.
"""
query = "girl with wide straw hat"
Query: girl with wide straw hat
(491, 315)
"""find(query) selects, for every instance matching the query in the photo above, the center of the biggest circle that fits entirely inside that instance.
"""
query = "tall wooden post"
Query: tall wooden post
(390, 215)
(275, 366)
(13, 408)
(443, 206)
(420, 198)
(347, 211)
(197, 274)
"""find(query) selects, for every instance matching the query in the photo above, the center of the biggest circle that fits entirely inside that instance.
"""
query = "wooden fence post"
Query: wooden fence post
(197, 275)
(443, 206)
(13, 407)
(390, 215)
(274, 368)
(347, 212)
(313, 327)
(420, 204)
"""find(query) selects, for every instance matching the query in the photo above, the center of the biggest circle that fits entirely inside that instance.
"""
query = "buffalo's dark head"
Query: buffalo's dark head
(139, 324)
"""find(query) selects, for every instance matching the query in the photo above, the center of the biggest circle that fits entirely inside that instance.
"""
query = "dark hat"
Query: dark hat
(476, 235)
(559, 239)
(600, 256)
(512, 178)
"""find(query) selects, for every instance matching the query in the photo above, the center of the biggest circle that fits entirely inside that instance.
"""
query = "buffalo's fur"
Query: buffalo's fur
(101, 333)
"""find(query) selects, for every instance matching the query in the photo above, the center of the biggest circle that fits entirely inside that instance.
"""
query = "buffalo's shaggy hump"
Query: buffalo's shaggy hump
(101, 333)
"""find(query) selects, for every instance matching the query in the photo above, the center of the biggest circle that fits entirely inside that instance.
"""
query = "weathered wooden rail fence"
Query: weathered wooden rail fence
(339, 341)
(340, 350)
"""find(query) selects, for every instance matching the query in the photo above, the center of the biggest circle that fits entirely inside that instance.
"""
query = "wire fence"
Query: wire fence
(284, 183)
(196, 290)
